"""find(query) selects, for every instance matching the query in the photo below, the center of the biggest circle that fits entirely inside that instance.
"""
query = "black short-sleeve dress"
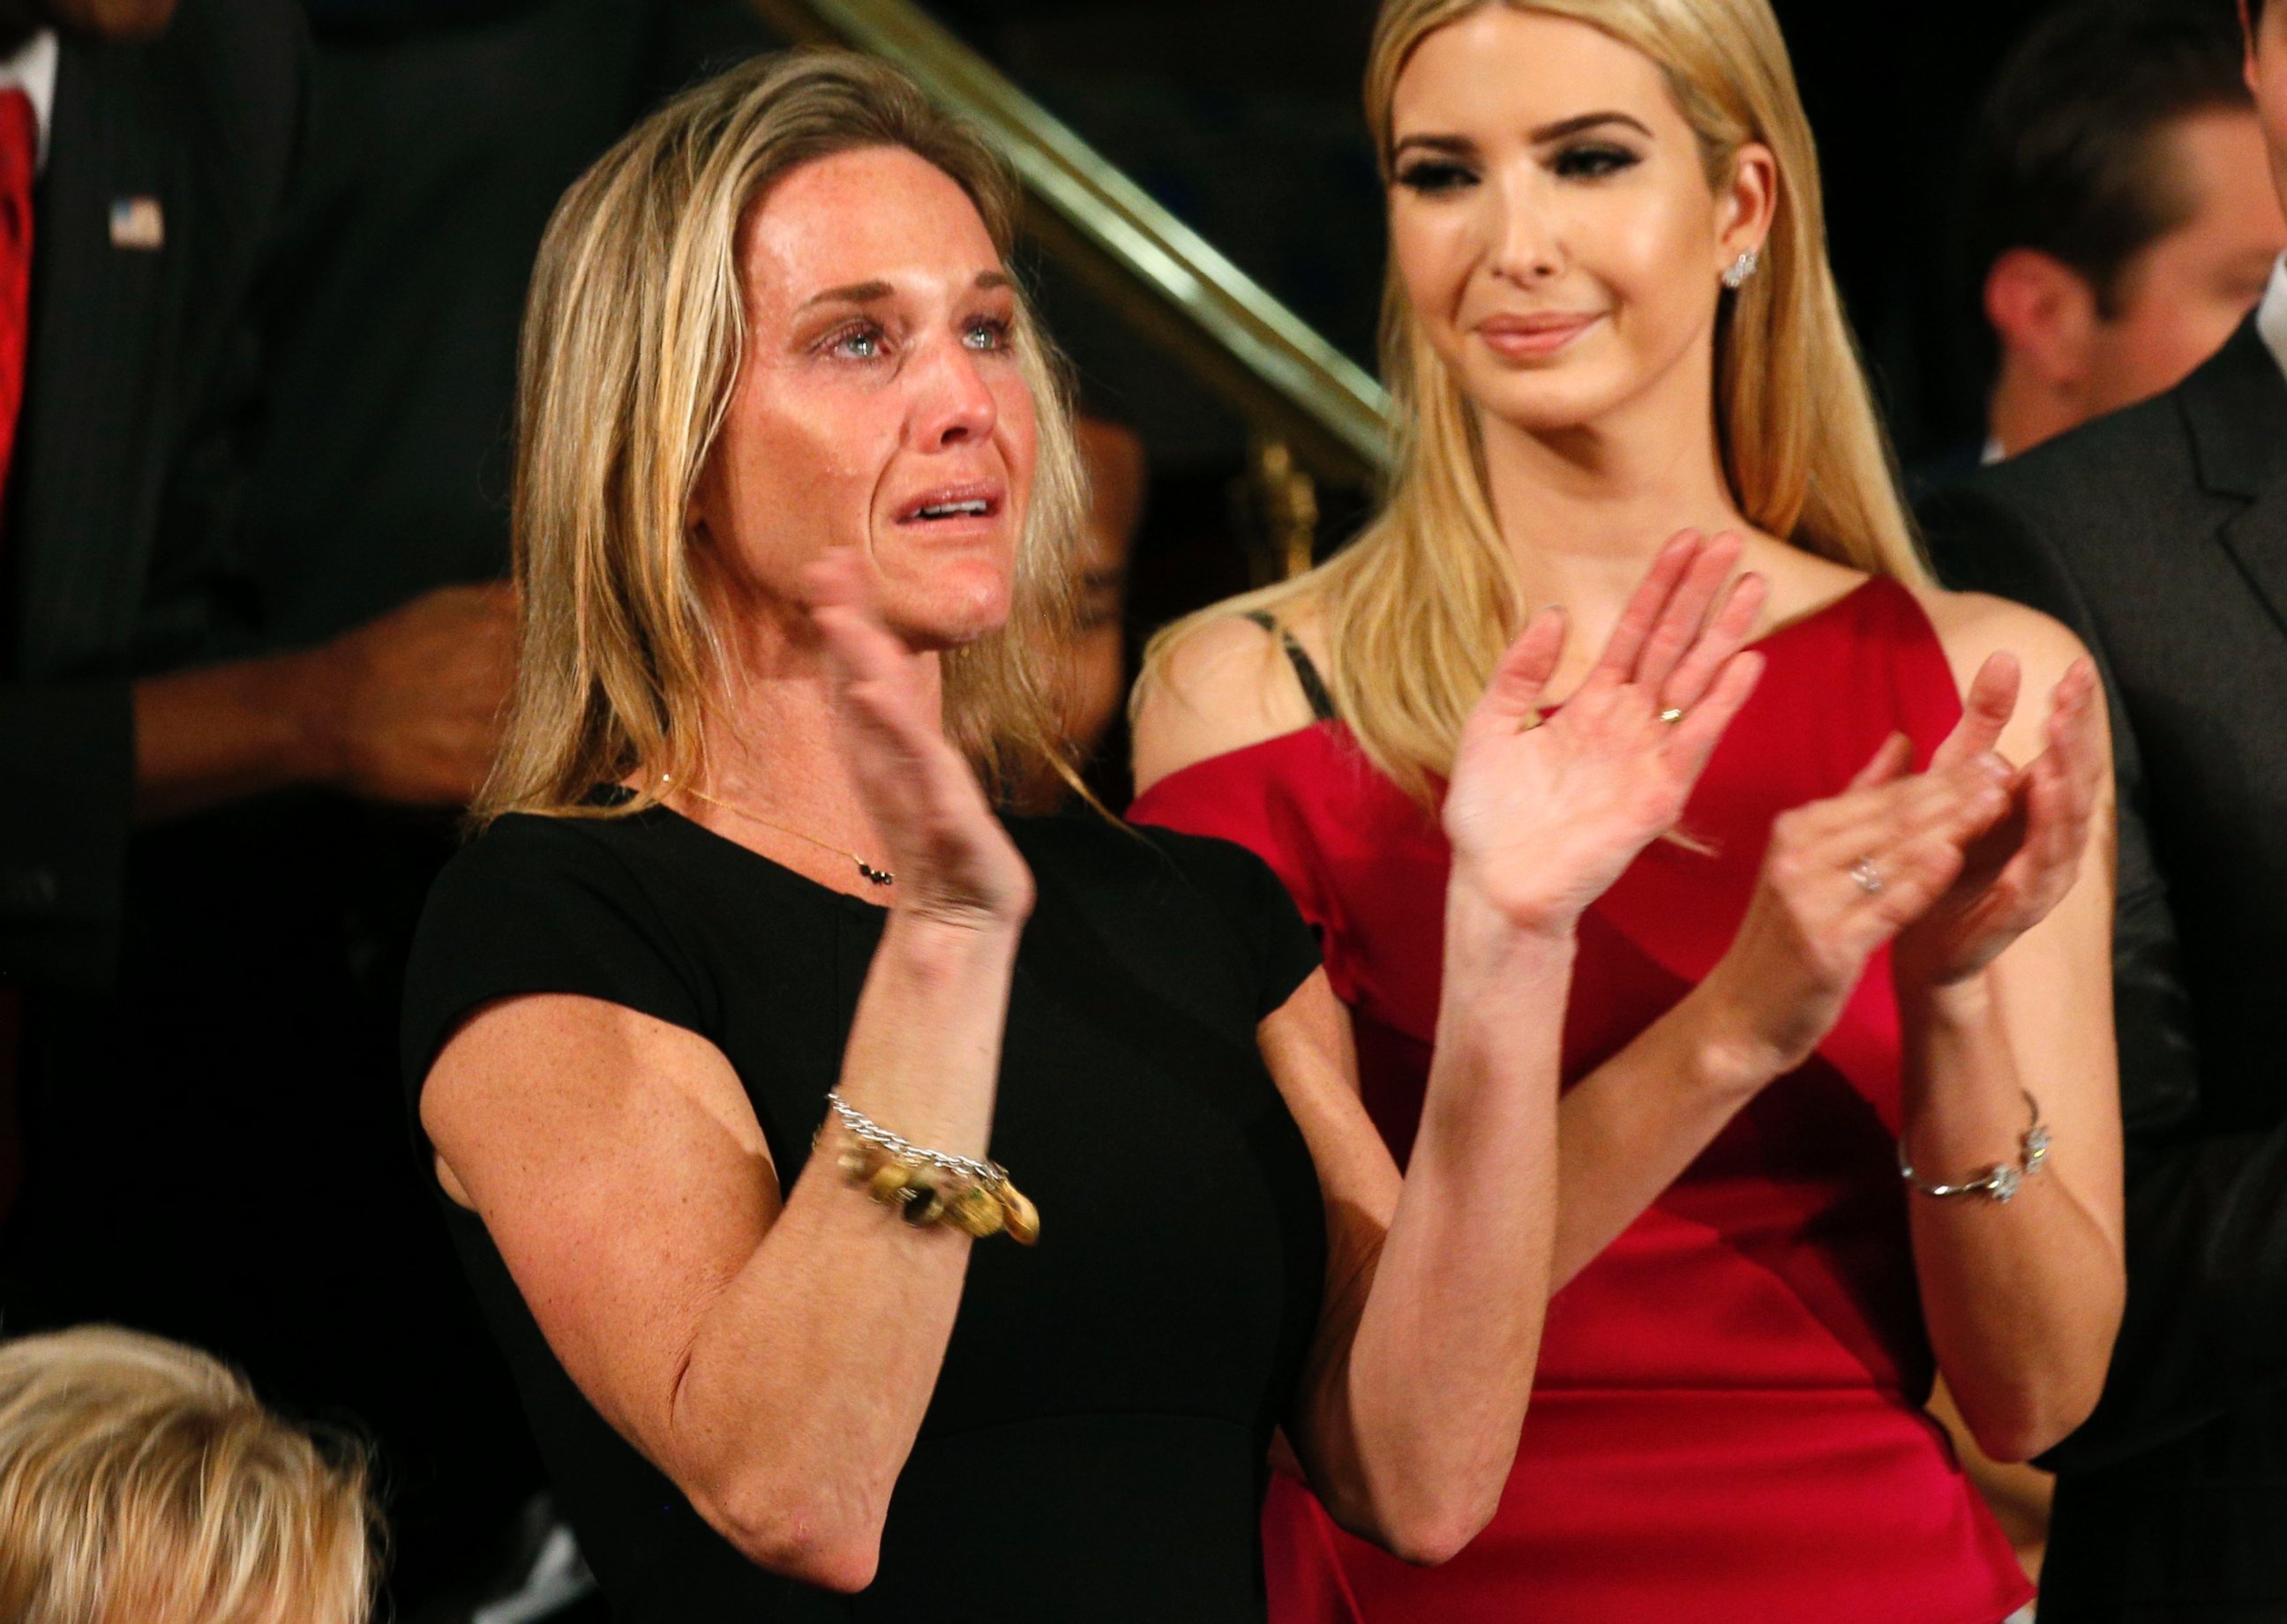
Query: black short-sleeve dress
(1095, 1447)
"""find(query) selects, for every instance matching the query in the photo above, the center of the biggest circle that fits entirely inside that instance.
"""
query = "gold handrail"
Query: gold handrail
(1294, 388)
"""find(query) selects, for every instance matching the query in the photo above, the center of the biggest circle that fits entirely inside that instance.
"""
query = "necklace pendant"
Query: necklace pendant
(874, 876)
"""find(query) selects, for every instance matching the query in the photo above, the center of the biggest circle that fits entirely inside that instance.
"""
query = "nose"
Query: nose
(1522, 245)
(952, 405)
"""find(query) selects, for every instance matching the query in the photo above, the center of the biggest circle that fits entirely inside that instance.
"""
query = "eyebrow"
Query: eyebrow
(873, 293)
(1462, 146)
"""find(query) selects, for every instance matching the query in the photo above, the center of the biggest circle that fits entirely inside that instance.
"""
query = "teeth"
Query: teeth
(942, 510)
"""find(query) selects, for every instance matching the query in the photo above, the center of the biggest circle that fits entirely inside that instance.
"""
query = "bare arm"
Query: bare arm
(1424, 1365)
(2005, 987)
(774, 1358)
(404, 709)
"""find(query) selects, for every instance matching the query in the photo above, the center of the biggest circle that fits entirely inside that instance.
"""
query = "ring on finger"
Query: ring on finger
(1868, 876)
(1672, 715)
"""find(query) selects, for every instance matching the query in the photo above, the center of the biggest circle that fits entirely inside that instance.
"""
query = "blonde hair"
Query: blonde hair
(633, 336)
(142, 1483)
(1416, 610)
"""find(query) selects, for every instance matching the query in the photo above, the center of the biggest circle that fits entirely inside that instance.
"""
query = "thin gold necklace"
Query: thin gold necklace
(867, 871)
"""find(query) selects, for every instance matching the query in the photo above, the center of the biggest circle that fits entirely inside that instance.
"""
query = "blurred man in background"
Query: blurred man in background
(2122, 222)
(201, 1154)
(2159, 534)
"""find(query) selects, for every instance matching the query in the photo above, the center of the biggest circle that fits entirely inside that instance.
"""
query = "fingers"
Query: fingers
(1725, 634)
(1646, 605)
(1693, 740)
(1512, 700)
(1683, 624)
(1912, 835)
(1992, 701)
(2061, 790)
(1895, 756)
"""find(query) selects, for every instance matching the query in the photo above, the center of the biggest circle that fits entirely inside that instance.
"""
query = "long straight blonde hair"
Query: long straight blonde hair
(633, 335)
(1416, 610)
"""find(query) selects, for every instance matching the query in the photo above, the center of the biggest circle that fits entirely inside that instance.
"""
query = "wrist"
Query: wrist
(1961, 1005)
(1526, 921)
(951, 939)
(1729, 1052)
(307, 692)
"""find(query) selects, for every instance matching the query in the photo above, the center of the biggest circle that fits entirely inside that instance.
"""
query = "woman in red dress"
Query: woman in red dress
(1870, 942)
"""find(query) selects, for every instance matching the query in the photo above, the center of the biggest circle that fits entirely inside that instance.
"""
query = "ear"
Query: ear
(2044, 313)
(1746, 204)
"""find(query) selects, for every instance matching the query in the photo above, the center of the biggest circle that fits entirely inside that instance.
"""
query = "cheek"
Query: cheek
(1432, 254)
(1017, 431)
(797, 477)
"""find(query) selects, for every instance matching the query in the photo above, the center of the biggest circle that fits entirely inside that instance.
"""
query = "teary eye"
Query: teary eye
(986, 334)
(860, 340)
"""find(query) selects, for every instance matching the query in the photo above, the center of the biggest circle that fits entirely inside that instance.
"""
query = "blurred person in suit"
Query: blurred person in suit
(2122, 222)
(198, 1158)
(2159, 534)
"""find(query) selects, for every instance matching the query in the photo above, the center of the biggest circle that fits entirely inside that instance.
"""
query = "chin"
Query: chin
(951, 614)
(1544, 403)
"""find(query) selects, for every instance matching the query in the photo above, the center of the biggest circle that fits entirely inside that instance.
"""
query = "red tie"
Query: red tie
(20, 156)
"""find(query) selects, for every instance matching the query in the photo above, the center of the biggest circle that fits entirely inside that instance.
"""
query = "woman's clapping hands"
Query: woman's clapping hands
(1544, 814)
(1948, 866)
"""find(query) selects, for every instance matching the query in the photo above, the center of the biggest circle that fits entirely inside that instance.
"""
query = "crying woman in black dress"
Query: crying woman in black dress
(793, 489)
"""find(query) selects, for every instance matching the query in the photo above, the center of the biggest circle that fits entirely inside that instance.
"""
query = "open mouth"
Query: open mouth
(951, 506)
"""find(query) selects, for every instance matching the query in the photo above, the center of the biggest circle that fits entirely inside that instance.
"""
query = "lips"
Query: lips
(952, 504)
(1528, 336)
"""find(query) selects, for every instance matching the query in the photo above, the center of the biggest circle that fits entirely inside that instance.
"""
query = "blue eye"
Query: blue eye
(858, 343)
(986, 335)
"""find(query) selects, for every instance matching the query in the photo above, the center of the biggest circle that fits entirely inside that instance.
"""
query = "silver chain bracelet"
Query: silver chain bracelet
(1999, 1182)
(991, 1175)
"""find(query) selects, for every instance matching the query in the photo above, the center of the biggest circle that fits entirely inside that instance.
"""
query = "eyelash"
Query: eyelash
(996, 329)
(1433, 177)
(1592, 162)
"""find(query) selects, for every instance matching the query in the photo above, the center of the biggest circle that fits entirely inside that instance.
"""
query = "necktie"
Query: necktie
(20, 154)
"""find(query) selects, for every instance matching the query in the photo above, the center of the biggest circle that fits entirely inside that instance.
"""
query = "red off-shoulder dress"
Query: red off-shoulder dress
(1727, 1425)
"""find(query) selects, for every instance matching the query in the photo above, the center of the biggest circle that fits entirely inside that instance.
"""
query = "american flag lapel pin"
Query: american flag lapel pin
(137, 223)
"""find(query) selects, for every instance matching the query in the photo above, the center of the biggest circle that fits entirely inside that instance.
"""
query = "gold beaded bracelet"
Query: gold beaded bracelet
(930, 1186)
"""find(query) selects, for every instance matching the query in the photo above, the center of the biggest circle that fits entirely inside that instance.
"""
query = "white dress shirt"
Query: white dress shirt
(32, 69)
(2271, 315)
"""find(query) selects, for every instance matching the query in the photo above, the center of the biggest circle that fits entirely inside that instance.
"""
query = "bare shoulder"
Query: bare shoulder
(1974, 626)
(1225, 683)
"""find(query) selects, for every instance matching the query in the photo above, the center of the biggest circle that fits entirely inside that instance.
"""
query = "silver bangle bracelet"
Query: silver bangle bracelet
(1999, 1182)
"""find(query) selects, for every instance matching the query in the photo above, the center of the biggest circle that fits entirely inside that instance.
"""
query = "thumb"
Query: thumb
(1992, 700)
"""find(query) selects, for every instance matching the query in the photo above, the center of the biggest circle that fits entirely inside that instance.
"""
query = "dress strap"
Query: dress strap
(1306, 674)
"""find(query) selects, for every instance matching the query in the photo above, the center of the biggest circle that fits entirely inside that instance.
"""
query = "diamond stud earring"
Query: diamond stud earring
(1741, 268)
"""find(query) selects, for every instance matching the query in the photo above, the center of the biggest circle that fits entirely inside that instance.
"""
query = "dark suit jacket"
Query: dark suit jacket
(139, 389)
(2160, 535)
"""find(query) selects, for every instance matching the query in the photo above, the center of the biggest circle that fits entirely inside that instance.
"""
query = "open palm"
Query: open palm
(1544, 813)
